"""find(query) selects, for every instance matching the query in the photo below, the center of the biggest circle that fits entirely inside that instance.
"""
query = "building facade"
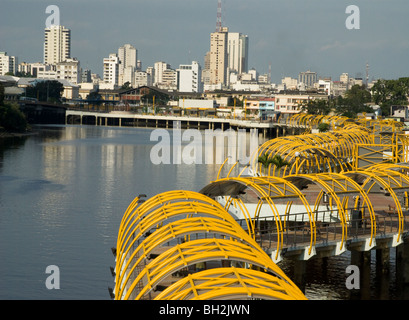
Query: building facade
(190, 77)
(69, 70)
(8, 64)
(237, 50)
(111, 70)
(308, 78)
(290, 103)
(128, 63)
(219, 57)
(57, 44)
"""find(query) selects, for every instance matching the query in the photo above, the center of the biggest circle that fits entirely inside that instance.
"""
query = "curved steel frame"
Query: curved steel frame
(178, 216)
(229, 283)
(148, 226)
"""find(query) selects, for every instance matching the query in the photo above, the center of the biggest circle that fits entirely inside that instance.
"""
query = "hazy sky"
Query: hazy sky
(291, 35)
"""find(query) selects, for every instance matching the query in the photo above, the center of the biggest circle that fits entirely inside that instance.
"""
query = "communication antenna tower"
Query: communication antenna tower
(367, 74)
(219, 16)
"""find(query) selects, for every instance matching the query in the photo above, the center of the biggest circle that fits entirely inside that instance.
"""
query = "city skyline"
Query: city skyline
(291, 36)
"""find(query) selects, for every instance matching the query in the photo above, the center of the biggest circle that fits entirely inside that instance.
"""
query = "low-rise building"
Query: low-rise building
(292, 102)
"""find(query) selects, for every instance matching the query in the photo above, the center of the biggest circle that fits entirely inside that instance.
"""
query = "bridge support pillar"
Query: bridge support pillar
(402, 270)
(362, 259)
(299, 274)
(382, 261)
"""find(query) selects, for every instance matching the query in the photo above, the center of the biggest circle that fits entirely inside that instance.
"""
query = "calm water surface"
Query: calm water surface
(63, 192)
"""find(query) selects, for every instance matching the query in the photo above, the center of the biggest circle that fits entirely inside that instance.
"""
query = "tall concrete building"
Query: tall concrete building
(308, 78)
(219, 57)
(159, 68)
(57, 44)
(128, 63)
(237, 50)
(8, 64)
(111, 69)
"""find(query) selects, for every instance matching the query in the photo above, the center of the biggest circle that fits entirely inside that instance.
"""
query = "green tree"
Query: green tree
(126, 85)
(354, 102)
(11, 118)
(386, 93)
(1, 94)
(277, 161)
(323, 127)
(160, 98)
(48, 90)
(317, 107)
(95, 97)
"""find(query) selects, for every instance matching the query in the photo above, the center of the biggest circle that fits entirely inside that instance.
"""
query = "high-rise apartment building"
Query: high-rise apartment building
(57, 44)
(218, 57)
(111, 69)
(159, 69)
(237, 50)
(128, 64)
(308, 78)
(8, 64)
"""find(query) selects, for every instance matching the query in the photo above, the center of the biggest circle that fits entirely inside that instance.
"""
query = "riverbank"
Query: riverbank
(5, 134)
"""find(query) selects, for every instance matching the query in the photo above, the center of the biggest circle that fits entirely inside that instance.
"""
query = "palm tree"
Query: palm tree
(277, 160)
(265, 160)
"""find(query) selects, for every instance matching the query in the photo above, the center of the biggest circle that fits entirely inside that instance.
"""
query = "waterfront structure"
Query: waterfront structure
(328, 198)
(57, 44)
(189, 77)
(201, 233)
(8, 64)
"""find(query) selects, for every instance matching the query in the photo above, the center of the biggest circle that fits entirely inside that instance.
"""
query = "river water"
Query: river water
(63, 192)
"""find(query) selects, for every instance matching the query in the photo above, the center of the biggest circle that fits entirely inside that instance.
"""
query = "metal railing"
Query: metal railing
(296, 230)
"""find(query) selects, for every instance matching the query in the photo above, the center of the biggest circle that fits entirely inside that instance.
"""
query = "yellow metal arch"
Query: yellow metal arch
(333, 185)
(389, 181)
(154, 212)
(267, 189)
(232, 284)
(180, 229)
(339, 146)
(193, 252)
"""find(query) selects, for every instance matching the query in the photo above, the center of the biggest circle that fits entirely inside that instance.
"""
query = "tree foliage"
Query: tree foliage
(11, 118)
(277, 161)
(49, 90)
(323, 127)
(354, 102)
(317, 107)
(386, 93)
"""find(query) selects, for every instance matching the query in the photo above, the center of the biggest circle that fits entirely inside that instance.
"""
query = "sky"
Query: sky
(290, 35)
